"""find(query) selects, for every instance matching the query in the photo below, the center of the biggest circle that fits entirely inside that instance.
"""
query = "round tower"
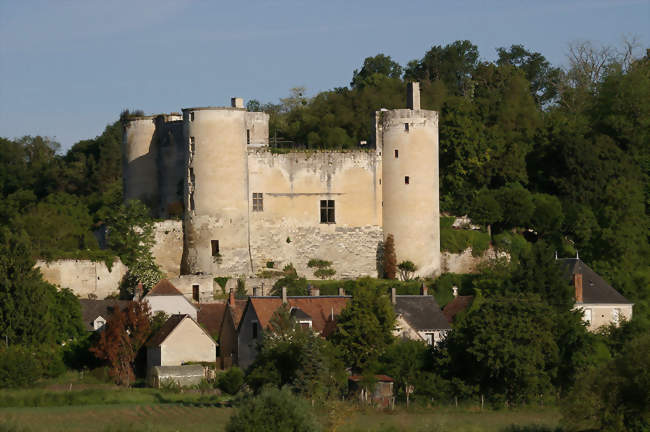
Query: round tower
(140, 167)
(408, 139)
(216, 192)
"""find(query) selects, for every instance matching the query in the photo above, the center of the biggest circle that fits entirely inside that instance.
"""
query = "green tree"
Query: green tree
(407, 270)
(517, 204)
(231, 380)
(295, 285)
(364, 328)
(273, 410)
(486, 210)
(547, 217)
(375, 68)
(405, 361)
(130, 231)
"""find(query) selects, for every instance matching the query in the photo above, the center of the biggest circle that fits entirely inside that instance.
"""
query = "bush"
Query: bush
(19, 366)
(231, 381)
(457, 240)
(273, 410)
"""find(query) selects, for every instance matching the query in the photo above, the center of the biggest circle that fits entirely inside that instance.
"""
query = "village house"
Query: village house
(210, 317)
(600, 302)
(95, 313)
(419, 317)
(228, 332)
(164, 297)
(316, 312)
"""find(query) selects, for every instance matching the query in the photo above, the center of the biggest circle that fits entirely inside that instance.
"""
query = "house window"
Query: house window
(407, 180)
(192, 116)
(327, 211)
(215, 247)
(254, 330)
(192, 145)
(258, 201)
(406, 127)
(587, 316)
(248, 136)
(429, 338)
(195, 293)
(396, 154)
(616, 315)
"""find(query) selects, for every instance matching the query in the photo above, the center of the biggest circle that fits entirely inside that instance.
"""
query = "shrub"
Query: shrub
(323, 268)
(231, 381)
(19, 367)
(389, 262)
(456, 241)
(273, 410)
(407, 270)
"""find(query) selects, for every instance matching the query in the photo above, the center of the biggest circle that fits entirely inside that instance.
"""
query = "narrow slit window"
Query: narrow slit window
(192, 145)
(396, 154)
(327, 213)
(254, 330)
(215, 247)
(248, 136)
(258, 201)
(192, 116)
(406, 127)
(407, 180)
(195, 293)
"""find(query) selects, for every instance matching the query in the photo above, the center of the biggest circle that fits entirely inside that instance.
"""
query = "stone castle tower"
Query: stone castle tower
(246, 208)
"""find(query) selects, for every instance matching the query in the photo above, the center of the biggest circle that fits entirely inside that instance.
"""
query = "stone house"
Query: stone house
(95, 313)
(600, 302)
(316, 312)
(180, 340)
(228, 346)
(419, 317)
(164, 297)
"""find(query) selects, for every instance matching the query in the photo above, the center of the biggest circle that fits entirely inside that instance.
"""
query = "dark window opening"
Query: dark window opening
(248, 136)
(327, 211)
(258, 201)
(192, 116)
(215, 247)
(254, 330)
(192, 145)
(195, 293)
(396, 154)
(407, 180)
(406, 127)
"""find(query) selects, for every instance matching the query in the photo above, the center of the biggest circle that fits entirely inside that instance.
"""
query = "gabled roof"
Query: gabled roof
(210, 316)
(169, 326)
(322, 310)
(164, 288)
(236, 311)
(457, 305)
(594, 288)
(91, 309)
(421, 312)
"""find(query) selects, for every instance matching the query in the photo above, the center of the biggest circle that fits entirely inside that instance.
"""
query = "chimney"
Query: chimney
(341, 292)
(393, 295)
(423, 290)
(284, 295)
(577, 282)
(315, 292)
(231, 298)
(455, 289)
(256, 291)
(413, 95)
(139, 292)
(237, 102)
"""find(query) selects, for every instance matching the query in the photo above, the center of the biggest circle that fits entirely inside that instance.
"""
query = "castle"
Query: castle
(246, 208)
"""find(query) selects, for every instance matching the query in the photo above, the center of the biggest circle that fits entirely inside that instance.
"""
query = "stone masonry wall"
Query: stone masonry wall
(85, 278)
(168, 247)
(465, 262)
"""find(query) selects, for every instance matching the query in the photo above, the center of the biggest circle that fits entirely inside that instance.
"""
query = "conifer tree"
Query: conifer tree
(389, 259)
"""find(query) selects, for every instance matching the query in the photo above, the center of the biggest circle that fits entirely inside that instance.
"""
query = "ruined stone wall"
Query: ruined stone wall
(168, 246)
(465, 262)
(288, 229)
(185, 284)
(87, 279)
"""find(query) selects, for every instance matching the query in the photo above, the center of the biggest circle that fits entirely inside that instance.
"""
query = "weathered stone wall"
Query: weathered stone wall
(84, 277)
(185, 284)
(465, 262)
(288, 229)
(168, 246)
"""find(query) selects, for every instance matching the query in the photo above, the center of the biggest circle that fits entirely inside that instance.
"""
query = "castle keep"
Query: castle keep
(245, 207)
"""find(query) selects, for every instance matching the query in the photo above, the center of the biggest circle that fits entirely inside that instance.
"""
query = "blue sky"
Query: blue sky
(67, 68)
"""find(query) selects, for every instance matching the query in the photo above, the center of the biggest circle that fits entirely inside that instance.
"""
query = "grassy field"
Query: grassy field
(183, 417)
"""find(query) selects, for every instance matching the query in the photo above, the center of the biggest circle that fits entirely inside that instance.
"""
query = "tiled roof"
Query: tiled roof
(594, 288)
(165, 330)
(322, 310)
(164, 288)
(91, 309)
(237, 311)
(210, 316)
(421, 312)
(456, 306)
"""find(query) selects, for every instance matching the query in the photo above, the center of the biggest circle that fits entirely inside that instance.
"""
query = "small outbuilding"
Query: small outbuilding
(183, 376)
(381, 393)
(180, 340)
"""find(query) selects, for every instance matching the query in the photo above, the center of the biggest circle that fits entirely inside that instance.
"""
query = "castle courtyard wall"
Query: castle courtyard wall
(168, 246)
(85, 278)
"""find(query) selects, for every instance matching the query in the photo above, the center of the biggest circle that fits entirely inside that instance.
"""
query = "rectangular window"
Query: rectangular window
(406, 127)
(327, 211)
(258, 201)
(407, 180)
(195, 293)
(192, 146)
(587, 316)
(616, 315)
(215, 247)
(192, 116)
(254, 330)
(248, 136)
(396, 154)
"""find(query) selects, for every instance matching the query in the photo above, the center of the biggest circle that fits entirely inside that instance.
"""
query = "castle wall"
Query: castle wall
(84, 277)
(288, 229)
(168, 246)
(171, 164)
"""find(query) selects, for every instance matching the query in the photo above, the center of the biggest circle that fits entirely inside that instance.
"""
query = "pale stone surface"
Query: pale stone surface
(84, 277)
(604, 314)
(185, 284)
(170, 304)
(465, 262)
(188, 342)
(168, 246)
